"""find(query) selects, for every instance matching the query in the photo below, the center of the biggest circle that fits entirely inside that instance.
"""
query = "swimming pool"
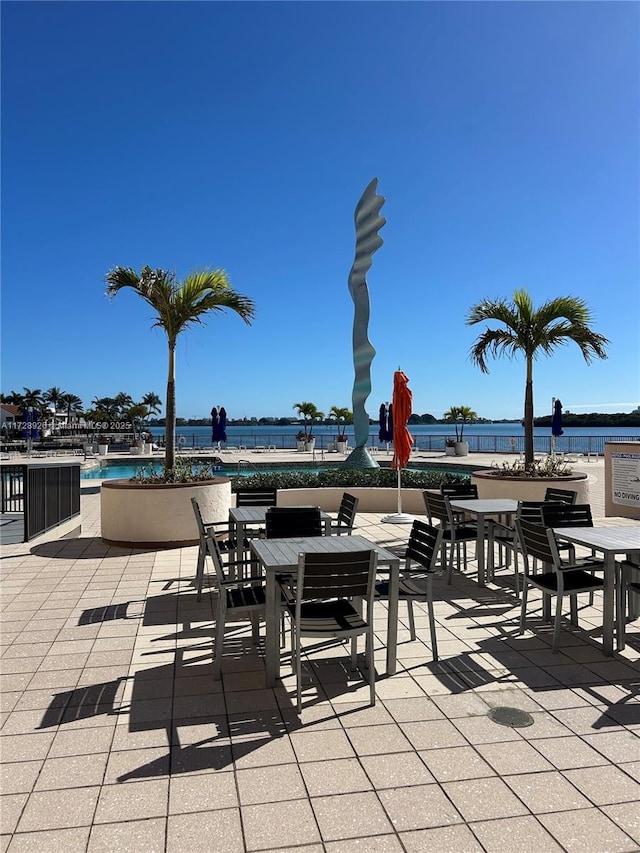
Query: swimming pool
(126, 470)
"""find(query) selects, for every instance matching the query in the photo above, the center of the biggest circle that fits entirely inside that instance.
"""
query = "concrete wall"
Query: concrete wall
(371, 500)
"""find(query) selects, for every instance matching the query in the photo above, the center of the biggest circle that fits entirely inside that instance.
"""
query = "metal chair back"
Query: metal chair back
(285, 522)
(346, 513)
(565, 496)
(564, 515)
(257, 497)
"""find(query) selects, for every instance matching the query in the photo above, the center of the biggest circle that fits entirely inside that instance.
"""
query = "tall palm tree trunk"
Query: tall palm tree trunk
(528, 414)
(170, 411)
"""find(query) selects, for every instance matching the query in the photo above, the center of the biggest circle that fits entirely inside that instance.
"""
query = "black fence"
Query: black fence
(46, 495)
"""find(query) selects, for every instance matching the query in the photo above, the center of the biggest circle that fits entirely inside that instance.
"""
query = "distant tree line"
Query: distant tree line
(594, 419)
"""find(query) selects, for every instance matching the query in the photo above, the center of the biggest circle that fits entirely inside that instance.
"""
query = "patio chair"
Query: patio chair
(556, 514)
(223, 535)
(451, 533)
(565, 496)
(416, 582)
(628, 595)
(344, 521)
(286, 522)
(558, 579)
(235, 596)
(324, 600)
(257, 497)
(506, 538)
(461, 492)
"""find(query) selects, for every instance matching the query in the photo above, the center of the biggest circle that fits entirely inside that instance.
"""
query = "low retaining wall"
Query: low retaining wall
(371, 500)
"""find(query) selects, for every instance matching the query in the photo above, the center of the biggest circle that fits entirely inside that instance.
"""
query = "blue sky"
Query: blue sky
(505, 137)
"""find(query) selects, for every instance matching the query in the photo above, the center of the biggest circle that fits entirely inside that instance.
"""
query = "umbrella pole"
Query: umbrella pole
(399, 517)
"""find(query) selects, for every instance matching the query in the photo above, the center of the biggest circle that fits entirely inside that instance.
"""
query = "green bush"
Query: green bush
(344, 478)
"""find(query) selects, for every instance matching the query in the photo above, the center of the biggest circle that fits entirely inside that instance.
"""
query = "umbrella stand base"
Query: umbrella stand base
(398, 518)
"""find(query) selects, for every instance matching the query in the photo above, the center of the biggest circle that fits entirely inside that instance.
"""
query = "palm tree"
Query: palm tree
(152, 402)
(460, 415)
(15, 399)
(136, 415)
(123, 401)
(54, 397)
(32, 397)
(73, 403)
(177, 306)
(344, 416)
(531, 331)
(310, 412)
(107, 406)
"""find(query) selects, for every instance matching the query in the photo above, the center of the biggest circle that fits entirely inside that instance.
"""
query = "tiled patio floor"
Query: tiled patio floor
(116, 738)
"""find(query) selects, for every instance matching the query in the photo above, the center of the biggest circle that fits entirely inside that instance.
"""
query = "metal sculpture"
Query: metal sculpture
(368, 222)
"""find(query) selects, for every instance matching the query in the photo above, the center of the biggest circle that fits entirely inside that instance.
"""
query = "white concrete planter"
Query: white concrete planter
(461, 448)
(103, 449)
(160, 515)
(135, 451)
(148, 448)
(341, 446)
(310, 445)
(300, 445)
(449, 451)
(492, 485)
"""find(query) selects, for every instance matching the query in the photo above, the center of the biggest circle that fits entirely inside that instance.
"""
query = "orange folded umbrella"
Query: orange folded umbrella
(402, 408)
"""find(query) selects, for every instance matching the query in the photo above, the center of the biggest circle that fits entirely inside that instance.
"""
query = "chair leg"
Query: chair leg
(200, 573)
(523, 607)
(370, 664)
(412, 622)
(556, 623)
(621, 606)
(452, 547)
(255, 627)
(432, 621)
(573, 609)
(218, 643)
(298, 674)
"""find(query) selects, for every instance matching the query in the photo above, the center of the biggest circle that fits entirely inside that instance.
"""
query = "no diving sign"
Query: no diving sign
(625, 479)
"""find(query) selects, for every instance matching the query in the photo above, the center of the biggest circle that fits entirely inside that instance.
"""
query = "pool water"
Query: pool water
(126, 470)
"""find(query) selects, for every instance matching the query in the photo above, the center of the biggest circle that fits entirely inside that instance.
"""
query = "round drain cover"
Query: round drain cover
(513, 717)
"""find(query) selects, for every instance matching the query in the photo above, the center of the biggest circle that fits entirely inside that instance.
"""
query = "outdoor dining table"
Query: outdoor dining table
(609, 541)
(481, 508)
(241, 517)
(278, 556)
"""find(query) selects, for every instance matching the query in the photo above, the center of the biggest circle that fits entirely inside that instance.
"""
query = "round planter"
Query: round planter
(341, 446)
(135, 451)
(103, 449)
(497, 485)
(449, 451)
(310, 445)
(160, 515)
(461, 448)
(300, 445)
(148, 448)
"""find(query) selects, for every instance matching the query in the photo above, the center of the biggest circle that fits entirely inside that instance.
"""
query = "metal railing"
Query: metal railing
(587, 444)
(46, 495)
